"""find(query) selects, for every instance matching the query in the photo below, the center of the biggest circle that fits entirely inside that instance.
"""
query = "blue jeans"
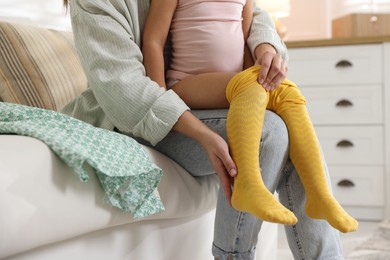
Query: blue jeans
(235, 233)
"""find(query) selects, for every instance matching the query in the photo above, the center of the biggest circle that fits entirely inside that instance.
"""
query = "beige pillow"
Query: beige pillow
(38, 67)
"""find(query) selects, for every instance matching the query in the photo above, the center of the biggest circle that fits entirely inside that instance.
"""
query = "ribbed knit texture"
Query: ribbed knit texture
(248, 101)
(264, 31)
(120, 94)
(108, 39)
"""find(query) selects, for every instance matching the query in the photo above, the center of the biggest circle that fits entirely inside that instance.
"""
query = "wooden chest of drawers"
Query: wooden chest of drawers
(345, 91)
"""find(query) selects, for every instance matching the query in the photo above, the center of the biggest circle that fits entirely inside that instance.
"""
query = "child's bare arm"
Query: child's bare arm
(154, 36)
(247, 16)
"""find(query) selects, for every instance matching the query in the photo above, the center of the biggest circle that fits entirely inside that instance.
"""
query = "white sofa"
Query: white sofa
(46, 212)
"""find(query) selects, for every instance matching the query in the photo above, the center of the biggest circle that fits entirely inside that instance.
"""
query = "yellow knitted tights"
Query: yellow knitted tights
(248, 101)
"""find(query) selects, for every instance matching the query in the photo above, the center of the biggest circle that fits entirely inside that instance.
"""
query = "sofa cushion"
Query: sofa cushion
(38, 66)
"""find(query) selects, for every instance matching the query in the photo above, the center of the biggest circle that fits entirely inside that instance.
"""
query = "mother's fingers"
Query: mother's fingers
(278, 79)
(225, 180)
(273, 70)
(265, 62)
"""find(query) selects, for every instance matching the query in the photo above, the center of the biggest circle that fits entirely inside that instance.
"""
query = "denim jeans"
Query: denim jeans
(235, 233)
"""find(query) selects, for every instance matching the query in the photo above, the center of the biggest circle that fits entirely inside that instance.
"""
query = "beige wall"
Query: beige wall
(308, 20)
(313, 19)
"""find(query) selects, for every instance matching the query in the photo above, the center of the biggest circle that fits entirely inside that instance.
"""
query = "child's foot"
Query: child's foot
(261, 203)
(330, 210)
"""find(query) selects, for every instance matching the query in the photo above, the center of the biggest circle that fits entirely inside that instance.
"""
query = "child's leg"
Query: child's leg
(287, 101)
(248, 101)
(204, 91)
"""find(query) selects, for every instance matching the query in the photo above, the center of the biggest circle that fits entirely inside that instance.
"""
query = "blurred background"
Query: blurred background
(297, 19)
(46, 13)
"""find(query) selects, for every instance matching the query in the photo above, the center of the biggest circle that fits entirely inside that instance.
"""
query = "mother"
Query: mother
(108, 36)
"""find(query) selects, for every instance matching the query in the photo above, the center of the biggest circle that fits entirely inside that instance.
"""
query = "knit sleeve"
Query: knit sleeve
(107, 38)
(263, 31)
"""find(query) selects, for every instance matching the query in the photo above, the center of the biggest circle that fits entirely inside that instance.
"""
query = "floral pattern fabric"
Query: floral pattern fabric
(126, 174)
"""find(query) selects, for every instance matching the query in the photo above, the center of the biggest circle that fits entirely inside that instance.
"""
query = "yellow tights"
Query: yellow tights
(248, 102)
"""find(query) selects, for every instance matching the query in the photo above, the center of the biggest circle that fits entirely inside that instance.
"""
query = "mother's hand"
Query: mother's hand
(273, 67)
(215, 146)
(218, 152)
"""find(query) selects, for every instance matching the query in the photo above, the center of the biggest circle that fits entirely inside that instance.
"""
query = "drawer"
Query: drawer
(345, 105)
(358, 186)
(354, 145)
(335, 65)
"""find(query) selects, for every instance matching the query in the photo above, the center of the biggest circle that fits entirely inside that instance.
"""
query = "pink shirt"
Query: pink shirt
(207, 36)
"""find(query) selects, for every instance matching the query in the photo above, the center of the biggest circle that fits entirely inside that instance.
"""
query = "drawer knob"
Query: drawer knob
(345, 183)
(344, 103)
(344, 64)
(344, 143)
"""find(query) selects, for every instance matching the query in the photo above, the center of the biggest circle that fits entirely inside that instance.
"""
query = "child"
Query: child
(208, 47)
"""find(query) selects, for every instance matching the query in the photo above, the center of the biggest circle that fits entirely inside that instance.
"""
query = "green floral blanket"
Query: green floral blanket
(127, 176)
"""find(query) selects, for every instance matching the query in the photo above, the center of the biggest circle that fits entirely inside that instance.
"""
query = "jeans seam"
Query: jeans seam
(291, 207)
(239, 224)
(205, 120)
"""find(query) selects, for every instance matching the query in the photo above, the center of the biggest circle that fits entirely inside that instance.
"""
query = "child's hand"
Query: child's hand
(273, 67)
